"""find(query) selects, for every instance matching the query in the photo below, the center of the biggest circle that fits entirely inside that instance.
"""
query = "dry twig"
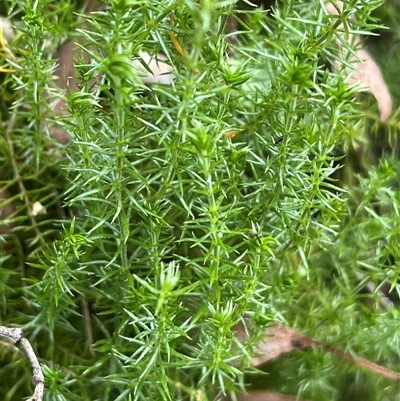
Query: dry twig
(15, 335)
(280, 339)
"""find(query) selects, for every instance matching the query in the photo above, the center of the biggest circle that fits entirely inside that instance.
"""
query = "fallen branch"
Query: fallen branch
(16, 336)
(280, 339)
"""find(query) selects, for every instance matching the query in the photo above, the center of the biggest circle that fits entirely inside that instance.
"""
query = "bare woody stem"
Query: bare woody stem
(15, 335)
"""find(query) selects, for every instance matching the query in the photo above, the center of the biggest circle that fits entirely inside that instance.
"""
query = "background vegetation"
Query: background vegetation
(130, 253)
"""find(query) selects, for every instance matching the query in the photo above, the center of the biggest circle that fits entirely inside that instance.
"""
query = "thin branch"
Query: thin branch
(280, 339)
(381, 370)
(15, 335)
(88, 326)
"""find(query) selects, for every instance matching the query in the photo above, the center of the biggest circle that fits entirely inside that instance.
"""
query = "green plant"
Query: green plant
(160, 232)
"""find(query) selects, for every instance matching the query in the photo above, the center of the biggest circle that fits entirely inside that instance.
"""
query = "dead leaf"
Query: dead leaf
(161, 70)
(369, 74)
(280, 339)
(277, 340)
(366, 71)
(157, 64)
(65, 73)
(6, 30)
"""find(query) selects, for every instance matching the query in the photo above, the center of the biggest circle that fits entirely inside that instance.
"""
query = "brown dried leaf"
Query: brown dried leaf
(6, 30)
(278, 340)
(281, 339)
(64, 77)
(367, 72)
(161, 70)
(161, 73)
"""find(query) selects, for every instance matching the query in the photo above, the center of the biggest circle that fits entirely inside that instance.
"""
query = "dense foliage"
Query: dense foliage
(258, 186)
